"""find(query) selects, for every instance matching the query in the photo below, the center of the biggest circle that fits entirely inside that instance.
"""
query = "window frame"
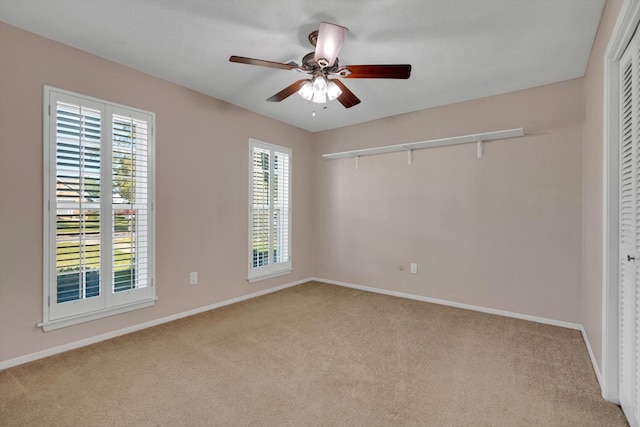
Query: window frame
(271, 269)
(61, 314)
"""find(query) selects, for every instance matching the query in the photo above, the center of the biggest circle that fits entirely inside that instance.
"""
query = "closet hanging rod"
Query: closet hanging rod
(465, 139)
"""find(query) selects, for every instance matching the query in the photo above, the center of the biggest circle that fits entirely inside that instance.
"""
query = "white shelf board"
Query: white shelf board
(465, 139)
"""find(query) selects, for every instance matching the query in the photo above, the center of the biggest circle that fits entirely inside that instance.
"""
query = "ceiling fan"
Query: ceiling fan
(322, 65)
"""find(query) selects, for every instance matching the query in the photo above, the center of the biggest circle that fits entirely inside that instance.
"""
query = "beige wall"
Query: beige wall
(592, 183)
(202, 147)
(519, 230)
(500, 232)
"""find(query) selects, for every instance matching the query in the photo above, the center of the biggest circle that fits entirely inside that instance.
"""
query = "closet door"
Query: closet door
(629, 303)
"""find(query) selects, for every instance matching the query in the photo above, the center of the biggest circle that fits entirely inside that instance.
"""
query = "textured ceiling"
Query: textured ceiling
(459, 49)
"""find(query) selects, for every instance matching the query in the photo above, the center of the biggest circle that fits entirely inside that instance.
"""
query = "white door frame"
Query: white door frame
(624, 29)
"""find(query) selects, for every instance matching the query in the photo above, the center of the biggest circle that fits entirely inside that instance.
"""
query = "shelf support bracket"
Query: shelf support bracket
(357, 162)
(479, 146)
(409, 156)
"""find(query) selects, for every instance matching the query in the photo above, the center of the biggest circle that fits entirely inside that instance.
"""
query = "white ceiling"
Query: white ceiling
(459, 49)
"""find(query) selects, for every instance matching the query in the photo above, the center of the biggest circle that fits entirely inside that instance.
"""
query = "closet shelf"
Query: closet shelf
(478, 138)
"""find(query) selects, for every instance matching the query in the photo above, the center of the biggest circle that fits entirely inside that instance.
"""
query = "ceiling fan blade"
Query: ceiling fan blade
(329, 43)
(346, 98)
(392, 71)
(262, 62)
(287, 91)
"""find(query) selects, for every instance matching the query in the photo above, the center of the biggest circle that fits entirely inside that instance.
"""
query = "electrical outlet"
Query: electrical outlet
(193, 278)
(413, 268)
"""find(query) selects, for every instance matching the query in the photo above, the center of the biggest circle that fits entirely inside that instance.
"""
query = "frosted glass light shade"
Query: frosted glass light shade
(329, 43)
(319, 90)
(320, 98)
(319, 85)
(306, 91)
(333, 91)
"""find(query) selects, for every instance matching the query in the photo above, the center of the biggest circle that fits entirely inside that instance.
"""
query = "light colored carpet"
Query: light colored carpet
(318, 355)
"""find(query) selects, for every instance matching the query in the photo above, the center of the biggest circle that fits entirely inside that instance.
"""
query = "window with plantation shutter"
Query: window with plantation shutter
(269, 210)
(98, 202)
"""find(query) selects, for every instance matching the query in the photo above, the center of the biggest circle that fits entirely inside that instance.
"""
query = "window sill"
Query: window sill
(87, 317)
(263, 276)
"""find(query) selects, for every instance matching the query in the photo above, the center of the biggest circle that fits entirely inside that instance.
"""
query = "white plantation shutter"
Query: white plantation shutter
(260, 206)
(77, 200)
(130, 193)
(269, 210)
(75, 218)
(98, 208)
(629, 298)
(281, 207)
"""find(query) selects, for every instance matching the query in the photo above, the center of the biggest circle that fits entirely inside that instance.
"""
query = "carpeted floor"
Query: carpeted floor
(318, 355)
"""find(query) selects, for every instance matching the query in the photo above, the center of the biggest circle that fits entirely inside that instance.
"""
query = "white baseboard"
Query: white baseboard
(596, 369)
(544, 320)
(92, 340)
(568, 325)
(537, 319)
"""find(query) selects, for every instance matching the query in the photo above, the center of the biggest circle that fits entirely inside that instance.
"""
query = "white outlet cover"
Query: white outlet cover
(413, 268)
(193, 278)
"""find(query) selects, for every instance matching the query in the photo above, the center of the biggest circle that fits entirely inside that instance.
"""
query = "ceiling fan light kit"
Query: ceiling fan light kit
(321, 64)
(319, 90)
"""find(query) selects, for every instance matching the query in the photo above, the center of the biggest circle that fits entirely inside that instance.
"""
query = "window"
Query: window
(269, 210)
(98, 208)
